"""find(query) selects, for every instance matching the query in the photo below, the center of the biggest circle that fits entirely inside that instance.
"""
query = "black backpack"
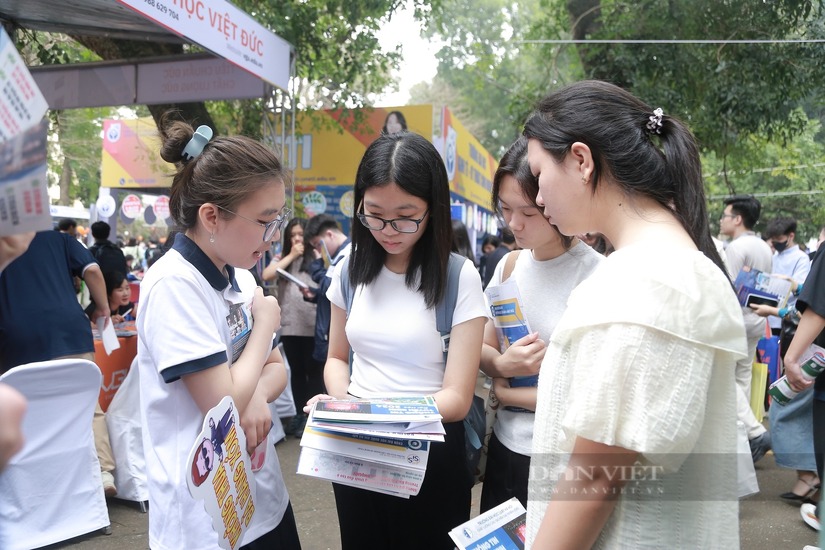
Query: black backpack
(109, 257)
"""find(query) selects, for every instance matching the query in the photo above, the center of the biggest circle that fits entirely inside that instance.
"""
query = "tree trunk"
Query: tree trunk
(585, 20)
(65, 182)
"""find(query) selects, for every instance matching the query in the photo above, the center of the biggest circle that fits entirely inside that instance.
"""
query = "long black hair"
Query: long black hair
(411, 162)
(614, 124)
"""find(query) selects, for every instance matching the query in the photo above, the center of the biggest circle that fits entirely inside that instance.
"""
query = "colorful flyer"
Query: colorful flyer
(221, 475)
(24, 195)
(21, 103)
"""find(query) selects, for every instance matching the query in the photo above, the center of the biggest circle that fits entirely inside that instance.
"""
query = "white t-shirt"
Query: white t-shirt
(190, 319)
(397, 348)
(544, 287)
(644, 359)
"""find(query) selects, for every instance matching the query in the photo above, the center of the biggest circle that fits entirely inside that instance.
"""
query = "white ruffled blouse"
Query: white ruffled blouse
(643, 359)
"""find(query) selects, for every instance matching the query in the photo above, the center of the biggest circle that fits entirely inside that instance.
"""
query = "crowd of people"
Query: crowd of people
(640, 355)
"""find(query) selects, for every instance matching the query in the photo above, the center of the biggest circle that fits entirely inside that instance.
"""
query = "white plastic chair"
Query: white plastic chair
(126, 437)
(51, 490)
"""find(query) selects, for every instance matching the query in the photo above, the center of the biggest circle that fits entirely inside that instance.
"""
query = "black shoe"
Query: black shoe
(760, 445)
(299, 430)
(296, 425)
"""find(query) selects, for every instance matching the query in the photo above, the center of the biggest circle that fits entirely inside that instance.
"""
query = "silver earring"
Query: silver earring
(211, 237)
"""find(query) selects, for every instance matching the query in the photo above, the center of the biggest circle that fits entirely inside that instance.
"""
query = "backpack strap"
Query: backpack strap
(346, 288)
(445, 309)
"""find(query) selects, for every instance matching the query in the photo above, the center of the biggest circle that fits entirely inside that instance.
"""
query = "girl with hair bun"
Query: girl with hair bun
(635, 430)
(207, 331)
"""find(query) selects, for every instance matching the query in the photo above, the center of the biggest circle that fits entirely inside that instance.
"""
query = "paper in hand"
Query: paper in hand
(107, 334)
(291, 278)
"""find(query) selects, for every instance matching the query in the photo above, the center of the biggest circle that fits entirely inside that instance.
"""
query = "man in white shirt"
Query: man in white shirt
(746, 249)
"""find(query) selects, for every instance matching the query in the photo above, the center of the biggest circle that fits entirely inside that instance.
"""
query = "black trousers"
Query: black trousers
(307, 374)
(507, 475)
(283, 537)
(375, 520)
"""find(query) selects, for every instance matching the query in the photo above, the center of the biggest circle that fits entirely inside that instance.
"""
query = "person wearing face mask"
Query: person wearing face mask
(788, 259)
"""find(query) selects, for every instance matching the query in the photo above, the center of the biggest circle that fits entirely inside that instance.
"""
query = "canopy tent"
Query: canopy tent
(245, 59)
(217, 26)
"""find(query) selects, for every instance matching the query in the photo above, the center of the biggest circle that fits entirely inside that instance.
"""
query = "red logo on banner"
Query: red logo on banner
(131, 206)
(162, 207)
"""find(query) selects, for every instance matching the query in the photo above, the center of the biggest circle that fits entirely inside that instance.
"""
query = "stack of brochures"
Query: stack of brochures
(379, 445)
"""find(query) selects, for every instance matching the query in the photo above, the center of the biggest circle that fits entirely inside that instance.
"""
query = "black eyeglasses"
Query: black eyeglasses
(402, 225)
(269, 228)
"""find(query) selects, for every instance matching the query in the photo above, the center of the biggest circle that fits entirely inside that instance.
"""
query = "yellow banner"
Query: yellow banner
(131, 155)
(469, 166)
(331, 143)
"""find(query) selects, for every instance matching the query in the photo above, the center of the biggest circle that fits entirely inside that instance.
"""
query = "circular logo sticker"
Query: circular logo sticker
(131, 206)
(451, 152)
(162, 207)
(314, 203)
(113, 132)
(346, 203)
(106, 206)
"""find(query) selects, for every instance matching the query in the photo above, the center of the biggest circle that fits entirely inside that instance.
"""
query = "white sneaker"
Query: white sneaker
(809, 547)
(109, 488)
(808, 513)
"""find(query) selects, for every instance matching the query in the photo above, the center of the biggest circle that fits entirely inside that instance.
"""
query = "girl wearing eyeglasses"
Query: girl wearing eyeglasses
(205, 331)
(402, 237)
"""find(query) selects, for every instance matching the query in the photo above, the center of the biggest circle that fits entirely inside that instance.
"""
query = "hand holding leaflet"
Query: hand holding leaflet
(508, 313)
(107, 334)
(512, 327)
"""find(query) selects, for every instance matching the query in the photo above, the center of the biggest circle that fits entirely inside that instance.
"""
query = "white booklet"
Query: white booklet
(503, 527)
(291, 278)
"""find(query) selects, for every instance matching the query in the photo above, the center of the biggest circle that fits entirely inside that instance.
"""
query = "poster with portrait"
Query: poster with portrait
(220, 473)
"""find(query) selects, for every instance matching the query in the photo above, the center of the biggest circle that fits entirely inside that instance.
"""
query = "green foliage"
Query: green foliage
(726, 92)
(786, 178)
(336, 45)
(79, 143)
(748, 104)
(486, 75)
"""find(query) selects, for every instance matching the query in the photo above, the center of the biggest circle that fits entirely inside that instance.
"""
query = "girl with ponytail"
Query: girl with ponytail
(635, 432)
